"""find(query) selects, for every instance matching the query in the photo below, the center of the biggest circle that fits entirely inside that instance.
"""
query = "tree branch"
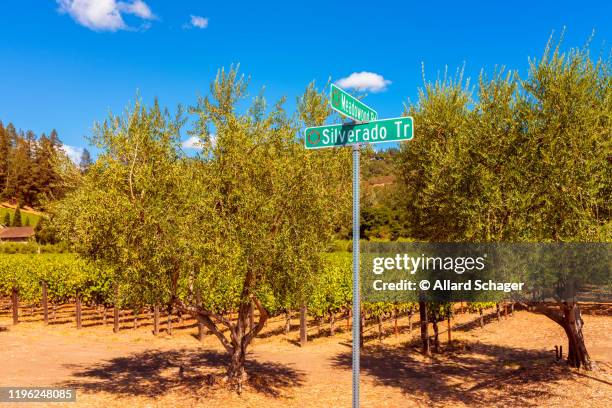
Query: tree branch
(263, 317)
(204, 317)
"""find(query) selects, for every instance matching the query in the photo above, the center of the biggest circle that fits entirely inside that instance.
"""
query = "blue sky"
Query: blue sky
(67, 63)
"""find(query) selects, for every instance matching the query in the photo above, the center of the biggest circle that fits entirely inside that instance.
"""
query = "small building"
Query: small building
(16, 234)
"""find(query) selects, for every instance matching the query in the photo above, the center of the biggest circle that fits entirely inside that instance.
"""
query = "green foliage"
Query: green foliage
(17, 221)
(244, 222)
(496, 167)
(332, 290)
(440, 310)
(478, 307)
(31, 168)
(32, 248)
(6, 213)
(66, 275)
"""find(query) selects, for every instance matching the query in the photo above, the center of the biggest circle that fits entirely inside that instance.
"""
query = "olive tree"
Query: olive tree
(527, 160)
(240, 226)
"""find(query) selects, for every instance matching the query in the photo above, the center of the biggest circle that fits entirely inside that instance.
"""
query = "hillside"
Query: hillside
(27, 213)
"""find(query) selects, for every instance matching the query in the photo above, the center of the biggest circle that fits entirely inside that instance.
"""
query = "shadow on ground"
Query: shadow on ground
(474, 374)
(154, 373)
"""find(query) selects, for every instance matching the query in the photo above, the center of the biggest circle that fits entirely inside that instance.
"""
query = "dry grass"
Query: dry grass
(508, 363)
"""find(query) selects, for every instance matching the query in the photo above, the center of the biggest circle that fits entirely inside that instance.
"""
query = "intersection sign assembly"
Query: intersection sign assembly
(365, 129)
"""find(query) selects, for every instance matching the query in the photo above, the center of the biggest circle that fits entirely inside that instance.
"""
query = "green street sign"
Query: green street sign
(378, 131)
(350, 106)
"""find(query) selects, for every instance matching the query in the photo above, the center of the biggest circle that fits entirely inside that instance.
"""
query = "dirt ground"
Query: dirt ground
(506, 364)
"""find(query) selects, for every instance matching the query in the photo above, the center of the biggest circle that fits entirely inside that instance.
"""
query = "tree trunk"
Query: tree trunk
(577, 355)
(569, 317)
(104, 313)
(135, 319)
(236, 373)
(15, 299)
(242, 336)
(303, 317)
(497, 312)
(332, 320)
(481, 318)
(424, 329)
(251, 316)
(448, 326)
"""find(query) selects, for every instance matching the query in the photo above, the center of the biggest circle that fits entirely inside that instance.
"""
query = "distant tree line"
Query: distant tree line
(31, 166)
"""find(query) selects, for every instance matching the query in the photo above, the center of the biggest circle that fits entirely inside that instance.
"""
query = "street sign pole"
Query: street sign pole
(364, 129)
(356, 281)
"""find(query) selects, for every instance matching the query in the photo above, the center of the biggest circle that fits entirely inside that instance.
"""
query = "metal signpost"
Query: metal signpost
(365, 129)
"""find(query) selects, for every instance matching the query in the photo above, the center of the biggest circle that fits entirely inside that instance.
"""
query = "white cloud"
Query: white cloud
(198, 22)
(138, 8)
(192, 143)
(73, 152)
(104, 15)
(364, 81)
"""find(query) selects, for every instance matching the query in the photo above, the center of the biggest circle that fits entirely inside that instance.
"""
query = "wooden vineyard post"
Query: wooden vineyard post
(156, 320)
(288, 321)
(303, 334)
(116, 311)
(45, 303)
(448, 326)
(200, 331)
(169, 321)
(348, 319)
(395, 328)
(201, 328)
(409, 321)
(78, 311)
(15, 299)
(362, 326)
(424, 328)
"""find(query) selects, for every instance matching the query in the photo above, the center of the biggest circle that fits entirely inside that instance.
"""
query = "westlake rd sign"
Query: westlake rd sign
(341, 101)
(378, 131)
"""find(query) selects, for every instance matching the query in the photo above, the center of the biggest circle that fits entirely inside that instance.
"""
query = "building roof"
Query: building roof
(16, 232)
